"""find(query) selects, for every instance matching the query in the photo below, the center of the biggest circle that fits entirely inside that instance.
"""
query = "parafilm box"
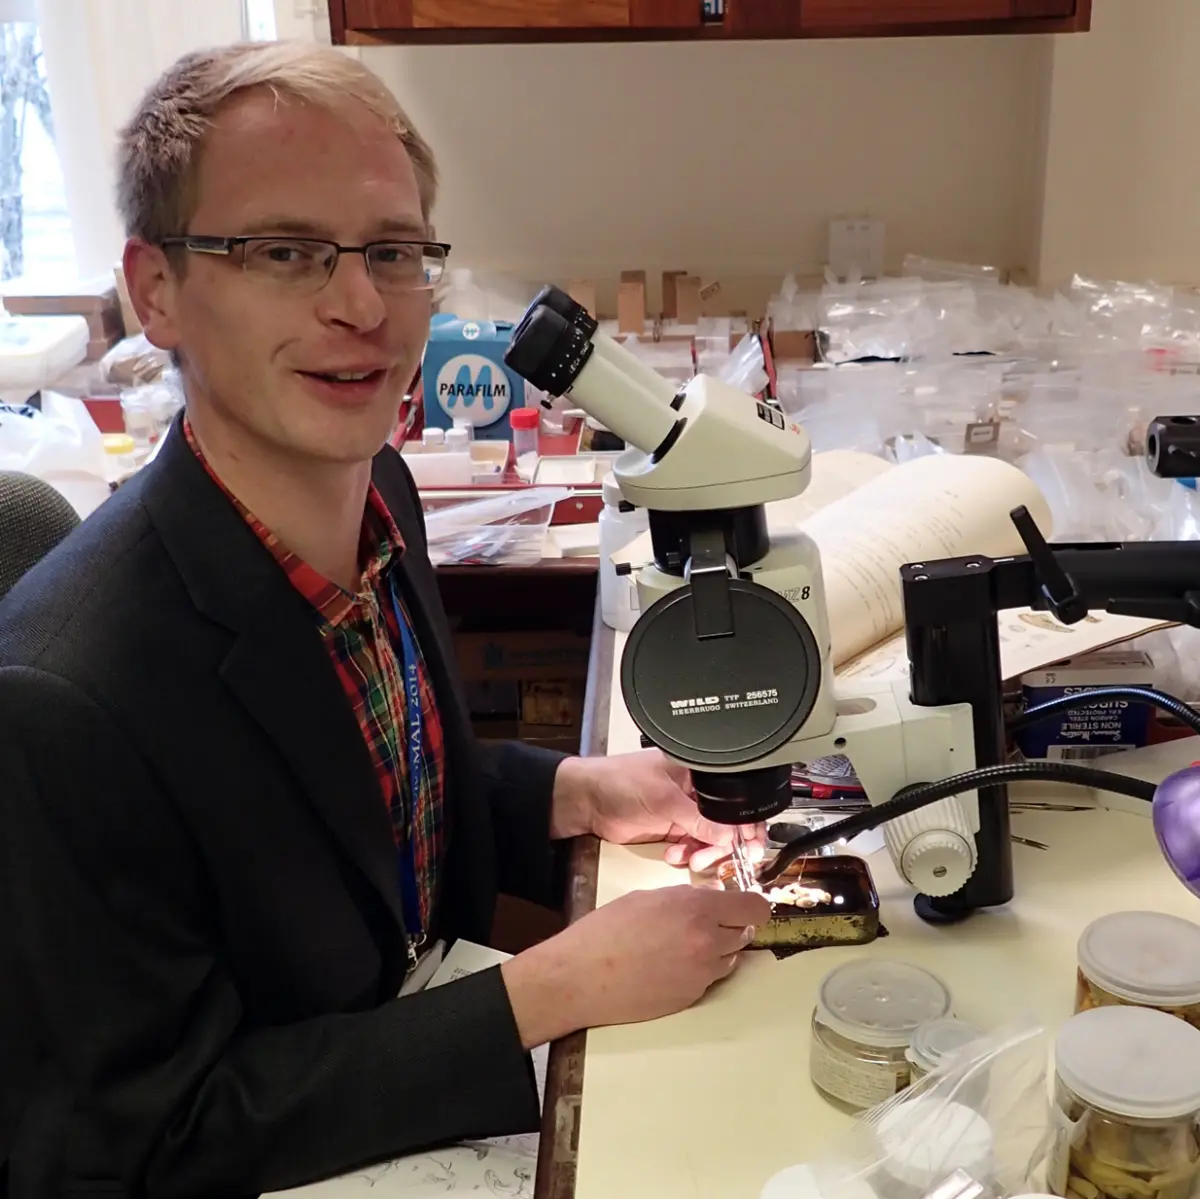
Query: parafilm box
(1093, 730)
(464, 379)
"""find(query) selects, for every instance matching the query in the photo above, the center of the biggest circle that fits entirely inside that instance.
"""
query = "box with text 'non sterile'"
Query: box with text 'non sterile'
(1107, 726)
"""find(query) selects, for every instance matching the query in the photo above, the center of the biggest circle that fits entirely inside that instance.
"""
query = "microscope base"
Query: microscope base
(923, 905)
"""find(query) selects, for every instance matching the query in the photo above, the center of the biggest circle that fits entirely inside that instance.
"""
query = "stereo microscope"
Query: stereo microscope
(728, 669)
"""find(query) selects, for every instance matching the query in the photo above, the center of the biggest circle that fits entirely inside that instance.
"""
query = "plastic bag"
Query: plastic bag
(133, 362)
(60, 445)
(745, 368)
(987, 1113)
(504, 529)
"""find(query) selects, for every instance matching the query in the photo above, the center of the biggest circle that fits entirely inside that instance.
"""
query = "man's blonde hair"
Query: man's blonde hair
(160, 146)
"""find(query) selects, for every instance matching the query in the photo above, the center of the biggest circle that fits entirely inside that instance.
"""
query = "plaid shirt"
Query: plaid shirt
(361, 634)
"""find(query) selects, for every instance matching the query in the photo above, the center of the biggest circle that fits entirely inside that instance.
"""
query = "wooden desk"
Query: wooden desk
(638, 1110)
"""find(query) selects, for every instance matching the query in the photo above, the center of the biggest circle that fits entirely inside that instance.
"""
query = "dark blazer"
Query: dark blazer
(200, 935)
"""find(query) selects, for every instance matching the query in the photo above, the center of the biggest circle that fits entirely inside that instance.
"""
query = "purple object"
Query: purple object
(1176, 811)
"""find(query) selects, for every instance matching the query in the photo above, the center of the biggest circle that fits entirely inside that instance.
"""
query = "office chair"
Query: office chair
(34, 518)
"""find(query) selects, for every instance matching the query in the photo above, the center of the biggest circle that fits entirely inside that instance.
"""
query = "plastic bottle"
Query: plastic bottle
(464, 298)
(525, 423)
(618, 593)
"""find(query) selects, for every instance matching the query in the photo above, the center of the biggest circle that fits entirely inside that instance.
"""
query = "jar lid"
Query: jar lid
(798, 1182)
(936, 1041)
(880, 1002)
(1143, 957)
(118, 443)
(524, 418)
(1131, 1061)
(924, 1141)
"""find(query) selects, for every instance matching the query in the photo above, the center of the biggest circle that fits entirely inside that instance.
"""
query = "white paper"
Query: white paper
(1028, 641)
(942, 506)
(501, 1166)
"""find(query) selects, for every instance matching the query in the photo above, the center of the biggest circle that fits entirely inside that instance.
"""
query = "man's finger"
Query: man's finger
(741, 909)
(755, 837)
(704, 857)
(733, 940)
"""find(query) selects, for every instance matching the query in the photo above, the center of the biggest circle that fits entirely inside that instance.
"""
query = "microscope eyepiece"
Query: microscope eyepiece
(548, 350)
(1173, 447)
(570, 310)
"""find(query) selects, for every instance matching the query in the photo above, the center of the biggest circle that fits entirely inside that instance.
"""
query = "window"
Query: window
(260, 20)
(35, 230)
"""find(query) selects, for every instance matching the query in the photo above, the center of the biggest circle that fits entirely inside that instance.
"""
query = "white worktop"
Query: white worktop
(695, 1106)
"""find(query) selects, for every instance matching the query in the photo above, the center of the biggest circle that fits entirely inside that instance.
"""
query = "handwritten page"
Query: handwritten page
(1028, 641)
(503, 1167)
(942, 506)
(835, 474)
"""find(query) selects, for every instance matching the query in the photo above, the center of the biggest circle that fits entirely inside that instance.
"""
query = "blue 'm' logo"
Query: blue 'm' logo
(472, 385)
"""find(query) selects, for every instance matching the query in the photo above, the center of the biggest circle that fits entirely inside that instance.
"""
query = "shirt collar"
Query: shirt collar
(380, 545)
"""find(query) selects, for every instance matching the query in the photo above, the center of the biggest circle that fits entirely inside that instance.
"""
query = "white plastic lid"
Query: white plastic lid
(458, 439)
(880, 1002)
(936, 1041)
(925, 1141)
(1143, 957)
(798, 1182)
(1131, 1061)
(434, 436)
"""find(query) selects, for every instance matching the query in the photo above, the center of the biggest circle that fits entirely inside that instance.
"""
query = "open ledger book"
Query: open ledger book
(503, 1167)
(870, 517)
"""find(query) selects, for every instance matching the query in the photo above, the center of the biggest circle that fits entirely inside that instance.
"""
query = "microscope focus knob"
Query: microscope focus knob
(933, 848)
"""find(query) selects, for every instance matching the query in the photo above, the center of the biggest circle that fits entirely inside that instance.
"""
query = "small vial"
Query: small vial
(458, 440)
(524, 423)
(433, 439)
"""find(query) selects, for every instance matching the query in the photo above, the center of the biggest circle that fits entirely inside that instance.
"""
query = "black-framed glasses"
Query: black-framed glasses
(307, 263)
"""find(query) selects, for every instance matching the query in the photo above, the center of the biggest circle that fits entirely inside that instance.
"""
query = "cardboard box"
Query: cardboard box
(553, 704)
(523, 656)
(631, 302)
(1098, 729)
(670, 294)
(583, 292)
(688, 306)
(463, 377)
(793, 345)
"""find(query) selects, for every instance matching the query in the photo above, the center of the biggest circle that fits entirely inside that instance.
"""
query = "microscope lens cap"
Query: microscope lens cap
(721, 701)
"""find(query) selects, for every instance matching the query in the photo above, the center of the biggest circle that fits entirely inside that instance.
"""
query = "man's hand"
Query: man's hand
(645, 955)
(640, 797)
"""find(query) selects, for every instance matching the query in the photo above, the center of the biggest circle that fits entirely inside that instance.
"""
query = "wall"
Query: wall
(1122, 177)
(727, 159)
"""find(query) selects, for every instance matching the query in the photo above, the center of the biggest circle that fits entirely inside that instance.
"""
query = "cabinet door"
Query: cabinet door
(665, 14)
(784, 18)
(819, 16)
(779, 18)
(487, 14)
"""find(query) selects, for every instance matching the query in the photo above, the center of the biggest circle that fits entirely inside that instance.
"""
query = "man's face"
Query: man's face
(258, 353)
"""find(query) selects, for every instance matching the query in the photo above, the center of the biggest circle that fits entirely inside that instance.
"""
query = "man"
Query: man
(241, 801)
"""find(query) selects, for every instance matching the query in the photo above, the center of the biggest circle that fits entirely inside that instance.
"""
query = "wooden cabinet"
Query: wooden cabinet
(580, 20)
(879, 18)
(457, 17)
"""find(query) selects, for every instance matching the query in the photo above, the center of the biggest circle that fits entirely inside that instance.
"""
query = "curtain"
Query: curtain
(100, 57)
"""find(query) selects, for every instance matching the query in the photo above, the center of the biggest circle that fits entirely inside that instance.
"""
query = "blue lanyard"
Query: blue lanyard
(413, 737)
